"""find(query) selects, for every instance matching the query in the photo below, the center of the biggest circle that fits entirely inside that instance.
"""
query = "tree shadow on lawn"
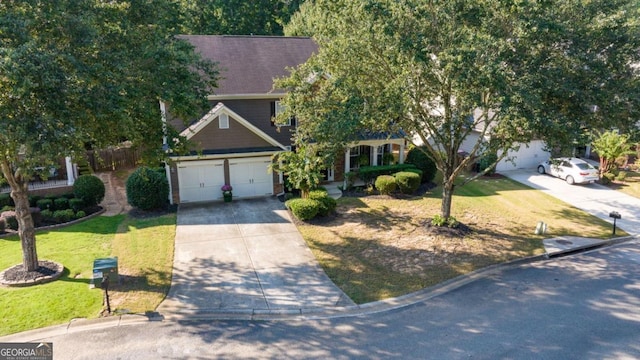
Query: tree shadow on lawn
(369, 270)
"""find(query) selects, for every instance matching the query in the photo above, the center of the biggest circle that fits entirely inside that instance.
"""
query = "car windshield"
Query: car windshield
(584, 166)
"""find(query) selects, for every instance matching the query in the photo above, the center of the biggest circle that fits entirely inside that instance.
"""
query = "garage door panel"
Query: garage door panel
(251, 177)
(200, 181)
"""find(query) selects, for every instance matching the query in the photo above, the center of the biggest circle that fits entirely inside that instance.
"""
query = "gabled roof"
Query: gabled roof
(249, 64)
(220, 108)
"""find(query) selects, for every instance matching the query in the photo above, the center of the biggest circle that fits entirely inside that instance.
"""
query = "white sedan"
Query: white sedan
(572, 170)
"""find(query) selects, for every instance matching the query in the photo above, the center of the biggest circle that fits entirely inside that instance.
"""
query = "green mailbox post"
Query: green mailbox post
(105, 266)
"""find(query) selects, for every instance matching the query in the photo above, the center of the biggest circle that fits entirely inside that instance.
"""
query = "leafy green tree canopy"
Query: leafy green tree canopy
(78, 72)
(454, 72)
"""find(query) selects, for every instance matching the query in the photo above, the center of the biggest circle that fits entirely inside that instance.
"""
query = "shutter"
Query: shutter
(273, 113)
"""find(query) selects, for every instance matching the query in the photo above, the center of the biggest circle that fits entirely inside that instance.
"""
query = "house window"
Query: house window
(354, 156)
(276, 109)
(223, 121)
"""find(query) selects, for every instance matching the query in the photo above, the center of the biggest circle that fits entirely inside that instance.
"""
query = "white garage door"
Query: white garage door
(251, 177)
(200, 180)
(526, 157)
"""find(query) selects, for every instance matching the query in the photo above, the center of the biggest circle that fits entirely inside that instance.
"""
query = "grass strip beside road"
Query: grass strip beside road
(379, 247)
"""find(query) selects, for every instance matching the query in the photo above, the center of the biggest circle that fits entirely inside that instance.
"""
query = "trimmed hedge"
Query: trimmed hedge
(90, 189)
(45, 204)
(10, 219)
(408, 182)
(369, 173)
(147, 189)
(418, 157)
(64, 215)
(5, 200)
(76, 204)
(61, 203)
(386, 184)
(303, 209)
(327, 204)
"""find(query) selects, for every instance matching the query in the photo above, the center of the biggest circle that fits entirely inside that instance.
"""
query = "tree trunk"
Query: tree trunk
(447, 198)
(26, 230)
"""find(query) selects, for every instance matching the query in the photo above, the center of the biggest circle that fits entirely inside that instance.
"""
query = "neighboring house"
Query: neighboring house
(528, 156)
(237, 138)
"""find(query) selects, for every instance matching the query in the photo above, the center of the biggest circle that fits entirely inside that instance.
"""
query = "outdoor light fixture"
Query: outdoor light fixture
(615, 215)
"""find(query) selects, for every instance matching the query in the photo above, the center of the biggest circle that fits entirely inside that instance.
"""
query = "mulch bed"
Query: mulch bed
(18, 276)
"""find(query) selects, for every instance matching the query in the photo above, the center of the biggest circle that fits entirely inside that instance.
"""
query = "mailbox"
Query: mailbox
(615, 215)
(102, 267)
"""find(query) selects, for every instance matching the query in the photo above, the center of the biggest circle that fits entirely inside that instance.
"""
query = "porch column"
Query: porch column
(347, 165)
(401, 154)
(71, 178)
(374, 160)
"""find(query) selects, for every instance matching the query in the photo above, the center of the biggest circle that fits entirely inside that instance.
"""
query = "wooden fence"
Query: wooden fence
(113, 159)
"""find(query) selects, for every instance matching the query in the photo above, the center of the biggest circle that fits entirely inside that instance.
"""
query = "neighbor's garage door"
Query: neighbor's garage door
(251, 177)
(200, 180)
(527, 157)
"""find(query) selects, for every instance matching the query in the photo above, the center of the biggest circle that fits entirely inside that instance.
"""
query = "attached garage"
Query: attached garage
(200, 180)
(528, 156)
(250, 177)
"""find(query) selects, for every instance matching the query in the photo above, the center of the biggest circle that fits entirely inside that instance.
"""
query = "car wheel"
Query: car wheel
(541, 169)
(570, 180)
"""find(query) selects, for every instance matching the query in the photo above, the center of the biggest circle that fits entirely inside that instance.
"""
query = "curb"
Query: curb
(246, 314)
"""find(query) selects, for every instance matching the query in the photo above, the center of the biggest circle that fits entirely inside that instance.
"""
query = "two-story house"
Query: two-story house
(236, 140)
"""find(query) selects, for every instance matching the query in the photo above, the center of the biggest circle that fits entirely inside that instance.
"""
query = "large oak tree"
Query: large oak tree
(77, 72)
(441, 70)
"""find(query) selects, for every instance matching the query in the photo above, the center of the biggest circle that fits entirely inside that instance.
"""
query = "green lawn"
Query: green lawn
(381, 247)
(145, 252)
(630, 185)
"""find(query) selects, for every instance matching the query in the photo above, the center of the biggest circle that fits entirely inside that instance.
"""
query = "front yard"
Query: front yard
(379, 247)
(375, 247)
(145, 256)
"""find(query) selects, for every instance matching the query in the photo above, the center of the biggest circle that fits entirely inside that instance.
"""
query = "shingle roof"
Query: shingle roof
(248, 64)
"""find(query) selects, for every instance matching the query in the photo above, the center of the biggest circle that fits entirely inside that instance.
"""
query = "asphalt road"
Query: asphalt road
(584, 306)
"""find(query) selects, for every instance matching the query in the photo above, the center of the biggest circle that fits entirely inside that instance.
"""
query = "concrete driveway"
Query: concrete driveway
(595, 199)
(244, 257)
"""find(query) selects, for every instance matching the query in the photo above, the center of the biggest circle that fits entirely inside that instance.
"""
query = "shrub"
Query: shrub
(45, 204)
(46, 214)
(368, 174)
(386, 184)
(147, 189)
(90, 189)
(303, 209)
(607, 178)
(408, 182)
(2, 225)
(7, 208)
(621, 176)
(327, 204)
(80, 214)
(419, 158)
(487, 160)
(33, 200)
(76, 204)
(288, 196)
(438, 220)
(61, 203)
(5, 200)
(10, 219)
(63, 215)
